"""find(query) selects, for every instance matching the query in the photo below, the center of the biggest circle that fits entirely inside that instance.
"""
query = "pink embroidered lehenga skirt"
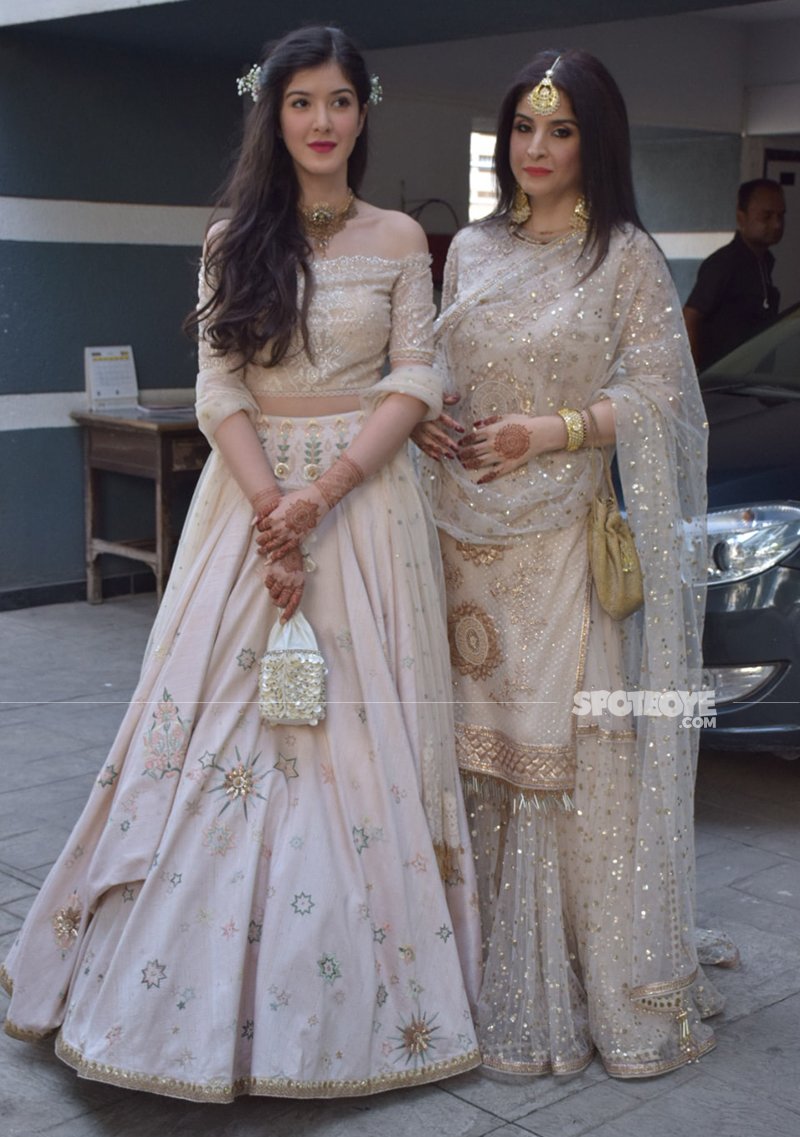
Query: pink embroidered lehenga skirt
(251, 910)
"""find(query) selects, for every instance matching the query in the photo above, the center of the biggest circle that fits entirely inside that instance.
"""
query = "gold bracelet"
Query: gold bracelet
(576, 431)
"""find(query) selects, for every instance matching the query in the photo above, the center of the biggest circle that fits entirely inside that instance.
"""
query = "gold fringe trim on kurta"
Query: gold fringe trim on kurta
(493, 791)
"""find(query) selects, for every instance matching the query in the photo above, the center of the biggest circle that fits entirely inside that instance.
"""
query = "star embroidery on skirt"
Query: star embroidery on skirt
(108, 776)
(154, 974)
(360, 839)
(286, 766)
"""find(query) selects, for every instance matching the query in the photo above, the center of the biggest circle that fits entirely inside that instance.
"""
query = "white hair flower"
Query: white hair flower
(376, 90)
(250, 84)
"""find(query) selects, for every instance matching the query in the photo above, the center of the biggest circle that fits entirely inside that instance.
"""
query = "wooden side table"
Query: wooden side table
(168, 452)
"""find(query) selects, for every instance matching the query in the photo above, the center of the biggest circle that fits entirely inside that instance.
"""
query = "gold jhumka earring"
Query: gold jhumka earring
(580, 215)
(544, 98)
(520, 207)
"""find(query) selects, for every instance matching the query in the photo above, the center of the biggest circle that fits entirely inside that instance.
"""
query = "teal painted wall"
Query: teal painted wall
(687, 184)
(80, 122)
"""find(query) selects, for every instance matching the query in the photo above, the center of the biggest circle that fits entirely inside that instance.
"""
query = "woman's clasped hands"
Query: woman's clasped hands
(498, 444)
(282, 522)
(289, 522)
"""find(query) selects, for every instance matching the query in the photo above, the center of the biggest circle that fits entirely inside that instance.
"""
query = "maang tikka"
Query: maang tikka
(544, 98)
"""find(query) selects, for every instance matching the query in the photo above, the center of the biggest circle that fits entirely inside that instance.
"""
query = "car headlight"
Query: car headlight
(747, 540)
(735, 684)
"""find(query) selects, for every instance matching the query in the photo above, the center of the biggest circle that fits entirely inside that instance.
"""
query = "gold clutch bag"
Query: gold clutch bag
(614, 562)
(291, 678)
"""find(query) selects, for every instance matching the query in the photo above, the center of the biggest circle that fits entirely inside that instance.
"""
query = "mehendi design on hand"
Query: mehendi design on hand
(302, 516)
(512, 441)
(343, 476)
(263, 503)
(489, 477)
(285, 583)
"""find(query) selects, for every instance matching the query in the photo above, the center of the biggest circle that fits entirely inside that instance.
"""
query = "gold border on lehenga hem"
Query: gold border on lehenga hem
(260, 1087)
(544, 1066)
(14, 1031)
(651, 1069)
(648, 1069)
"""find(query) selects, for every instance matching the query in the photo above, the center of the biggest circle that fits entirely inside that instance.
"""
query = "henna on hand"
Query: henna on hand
(512, 441)
(285, 582)
(489, 477)
(284, 529)
(264, 502)
(302, 510)
(302, 516)
(343, 476)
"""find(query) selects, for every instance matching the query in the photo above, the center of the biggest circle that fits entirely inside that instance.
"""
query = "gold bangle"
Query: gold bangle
(588, 433)
(576, 431)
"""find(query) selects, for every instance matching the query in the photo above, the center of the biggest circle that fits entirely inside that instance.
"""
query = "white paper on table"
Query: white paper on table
(111, 383)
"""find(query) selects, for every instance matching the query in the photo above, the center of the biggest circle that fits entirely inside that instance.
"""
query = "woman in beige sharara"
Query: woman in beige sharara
(561, 332)
(284, 911)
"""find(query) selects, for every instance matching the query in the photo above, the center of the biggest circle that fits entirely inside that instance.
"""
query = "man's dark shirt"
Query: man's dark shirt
(736, 296)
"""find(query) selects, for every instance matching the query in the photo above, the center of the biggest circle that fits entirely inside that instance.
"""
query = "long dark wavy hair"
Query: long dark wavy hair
(604, 136)
(252, 266)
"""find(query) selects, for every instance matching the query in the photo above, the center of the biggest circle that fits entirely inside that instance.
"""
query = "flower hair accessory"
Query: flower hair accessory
(250, 84)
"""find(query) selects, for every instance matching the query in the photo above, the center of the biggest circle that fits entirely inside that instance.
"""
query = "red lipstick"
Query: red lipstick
(322, 147)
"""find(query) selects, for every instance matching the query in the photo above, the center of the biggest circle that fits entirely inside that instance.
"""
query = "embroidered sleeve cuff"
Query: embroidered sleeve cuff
(218, 398)
(421, 382)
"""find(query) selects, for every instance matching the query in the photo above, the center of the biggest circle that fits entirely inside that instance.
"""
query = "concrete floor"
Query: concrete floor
(65, 674)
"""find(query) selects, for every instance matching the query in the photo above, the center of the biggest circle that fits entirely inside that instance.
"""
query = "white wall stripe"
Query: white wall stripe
(118, 223)
(103, 223)
(691, 246)
(30, 11)
(170, 225)
(52, 409)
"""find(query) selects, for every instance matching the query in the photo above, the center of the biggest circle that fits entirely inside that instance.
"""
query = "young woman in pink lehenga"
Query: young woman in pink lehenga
(286, 910)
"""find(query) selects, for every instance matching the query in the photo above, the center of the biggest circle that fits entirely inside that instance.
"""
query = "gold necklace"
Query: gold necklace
(321, 221)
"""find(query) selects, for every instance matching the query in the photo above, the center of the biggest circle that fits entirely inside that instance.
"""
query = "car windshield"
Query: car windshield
(768, 360)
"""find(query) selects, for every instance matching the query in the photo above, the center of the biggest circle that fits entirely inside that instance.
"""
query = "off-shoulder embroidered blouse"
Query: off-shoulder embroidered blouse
(363, 309)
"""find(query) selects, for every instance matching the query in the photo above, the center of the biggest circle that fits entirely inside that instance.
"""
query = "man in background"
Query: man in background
(734, 297)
